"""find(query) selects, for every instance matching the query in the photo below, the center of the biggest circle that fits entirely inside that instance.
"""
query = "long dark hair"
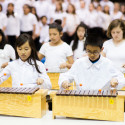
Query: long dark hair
(3, 41)
(8, 14)
(22, 39)
(76, 39)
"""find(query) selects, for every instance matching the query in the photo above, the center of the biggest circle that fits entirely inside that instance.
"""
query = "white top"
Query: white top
(101, 19)
(42, 8)
(13, 26)
(58, 15)
(79, 52)
(4, 5)
(72, 21)
(23, 72)
(92, 76)
(82, 13)
(107, 21)
(108, 3)
(27, 22)
(44, 33)
(55, 55)
(117, 15)
(3, 20)
(116, 53)
(6, 54)
(92, 19)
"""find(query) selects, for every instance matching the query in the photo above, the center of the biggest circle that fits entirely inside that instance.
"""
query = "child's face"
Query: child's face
(117, 34)
(33, 11)
(10, 8)
(24, 51)
(93, 52)
(44, 20)
(26, 9)
(81, 33)
(54, 36)
(70, 9)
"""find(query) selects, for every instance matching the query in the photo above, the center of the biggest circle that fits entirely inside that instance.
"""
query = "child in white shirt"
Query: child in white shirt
(56, 51)
(78, 43)
(6, 51)
(26, 71)
(93, 71)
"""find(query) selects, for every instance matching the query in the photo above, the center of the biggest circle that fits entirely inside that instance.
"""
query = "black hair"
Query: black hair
(43, 17)
(3, 41)
(35, 13)
(56, 26)
(8, 14)
(58, 21)
(76, 39)
(22, 39)
(93, 40)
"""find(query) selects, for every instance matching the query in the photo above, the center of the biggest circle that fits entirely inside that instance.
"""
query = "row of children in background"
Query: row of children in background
(57, 53)
(33, 20)
(93, 66)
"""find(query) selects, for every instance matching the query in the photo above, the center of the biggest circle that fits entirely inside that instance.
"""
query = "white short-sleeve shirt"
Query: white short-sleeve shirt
(72, 21)
(116, 53)
(6, 54)
(58, 15)
(79, 52)
(3, 20)
(55, 55)
(27, 22)
(117, 15)
(13, 26)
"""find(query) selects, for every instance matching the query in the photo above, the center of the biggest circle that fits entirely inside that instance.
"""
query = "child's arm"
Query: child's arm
(40, 56)
(117, 77)
(5, 74)
(69, 64)
(66, 78)
(43, 77)
(103, 54)
(4, 65)
(114, 82)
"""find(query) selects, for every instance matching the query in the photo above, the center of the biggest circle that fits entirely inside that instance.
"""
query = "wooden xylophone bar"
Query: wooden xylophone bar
(103, 93)
(18, 90)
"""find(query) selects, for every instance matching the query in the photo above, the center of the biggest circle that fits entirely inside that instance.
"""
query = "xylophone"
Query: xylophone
(89, 104)
(24, 102)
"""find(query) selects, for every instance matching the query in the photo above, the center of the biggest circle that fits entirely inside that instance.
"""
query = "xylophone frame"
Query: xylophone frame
(89, 107)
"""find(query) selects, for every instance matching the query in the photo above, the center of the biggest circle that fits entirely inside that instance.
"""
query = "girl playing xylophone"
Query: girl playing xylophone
(26, 71)
(93, 71)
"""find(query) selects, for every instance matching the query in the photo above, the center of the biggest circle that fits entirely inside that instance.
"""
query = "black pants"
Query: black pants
(28, 32)
(12, 40)
(37, 43)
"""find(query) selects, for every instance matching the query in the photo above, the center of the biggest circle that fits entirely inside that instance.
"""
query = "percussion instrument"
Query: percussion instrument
(89, 104)
(25, 102)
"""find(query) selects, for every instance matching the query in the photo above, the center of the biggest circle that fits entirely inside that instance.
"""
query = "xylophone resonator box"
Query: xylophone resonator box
(24, 102)
(103, 105)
